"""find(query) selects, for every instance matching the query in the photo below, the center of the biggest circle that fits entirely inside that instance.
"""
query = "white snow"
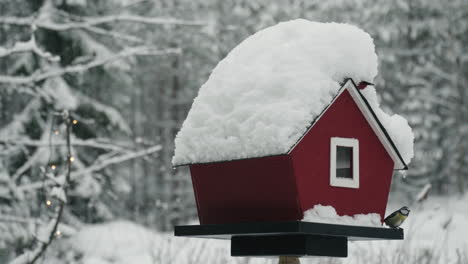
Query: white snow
(435, 231)
(59, 193)
(44, 231)
(396, 126)
(327, 214)
(77, 2)
(261, 98)
(122, 241)
(59, 91)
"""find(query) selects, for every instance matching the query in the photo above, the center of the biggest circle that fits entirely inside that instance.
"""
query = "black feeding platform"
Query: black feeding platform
(295, 238)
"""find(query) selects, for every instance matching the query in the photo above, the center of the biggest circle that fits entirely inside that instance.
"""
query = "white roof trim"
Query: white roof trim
(352, 89)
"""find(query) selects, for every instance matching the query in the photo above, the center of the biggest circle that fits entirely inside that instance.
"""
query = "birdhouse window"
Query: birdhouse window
(344, 162)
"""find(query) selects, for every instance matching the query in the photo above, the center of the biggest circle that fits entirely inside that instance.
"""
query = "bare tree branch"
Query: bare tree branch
(19, 21)
(114, 115)
(127, 52)
(28, 46)
(15, 126)
(28, 164)
(115, 34)
(118, 159)
(18, 219)
(37, 154)
(432, 69)
(91, 143)
(87, 22)
(93, 168)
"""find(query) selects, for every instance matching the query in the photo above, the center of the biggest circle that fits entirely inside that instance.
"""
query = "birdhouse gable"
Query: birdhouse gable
(374, 122)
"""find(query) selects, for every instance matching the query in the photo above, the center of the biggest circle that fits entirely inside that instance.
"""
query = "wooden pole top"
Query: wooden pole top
(288, 260)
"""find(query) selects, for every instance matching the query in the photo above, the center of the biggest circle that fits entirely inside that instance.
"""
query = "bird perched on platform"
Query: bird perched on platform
(395, 219)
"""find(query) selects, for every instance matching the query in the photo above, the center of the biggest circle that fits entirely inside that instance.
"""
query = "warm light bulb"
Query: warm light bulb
(58, 233)
(75, 121)
(72, 158)
(56, 132)
(53, 167)
(48, 202)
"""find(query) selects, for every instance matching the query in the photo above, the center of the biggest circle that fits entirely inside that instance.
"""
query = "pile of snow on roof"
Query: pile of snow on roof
(262, 97)
(396, 126)
(327, 214)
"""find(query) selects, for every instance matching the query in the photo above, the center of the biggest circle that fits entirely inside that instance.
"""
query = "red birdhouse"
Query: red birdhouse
(344, 159)
(288, 156)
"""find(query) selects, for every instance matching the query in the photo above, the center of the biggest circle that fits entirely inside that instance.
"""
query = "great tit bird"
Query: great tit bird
(395, 219)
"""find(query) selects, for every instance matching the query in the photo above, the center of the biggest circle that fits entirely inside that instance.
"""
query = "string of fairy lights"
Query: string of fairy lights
(54, 170)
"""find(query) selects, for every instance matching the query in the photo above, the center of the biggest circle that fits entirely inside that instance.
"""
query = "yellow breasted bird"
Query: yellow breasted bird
(395, 219)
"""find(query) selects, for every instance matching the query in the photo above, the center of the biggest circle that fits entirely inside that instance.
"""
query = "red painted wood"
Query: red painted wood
(362, 85)
(311, 163)
(250, 190)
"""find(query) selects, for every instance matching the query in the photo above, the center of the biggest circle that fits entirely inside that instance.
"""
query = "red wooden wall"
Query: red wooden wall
(250, 190)
(311, 163)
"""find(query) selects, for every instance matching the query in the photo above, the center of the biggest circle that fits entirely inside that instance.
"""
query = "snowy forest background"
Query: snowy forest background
(128, 71)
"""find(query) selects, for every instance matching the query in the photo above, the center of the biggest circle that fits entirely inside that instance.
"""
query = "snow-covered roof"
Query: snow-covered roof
(261, 99)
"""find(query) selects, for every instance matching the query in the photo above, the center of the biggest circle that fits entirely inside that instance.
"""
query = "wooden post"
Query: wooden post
(288, 260)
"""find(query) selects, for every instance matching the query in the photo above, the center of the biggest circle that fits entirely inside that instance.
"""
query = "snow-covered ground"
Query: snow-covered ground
(436, 232)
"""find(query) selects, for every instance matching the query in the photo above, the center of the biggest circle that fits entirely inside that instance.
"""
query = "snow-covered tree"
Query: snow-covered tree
(76, 56)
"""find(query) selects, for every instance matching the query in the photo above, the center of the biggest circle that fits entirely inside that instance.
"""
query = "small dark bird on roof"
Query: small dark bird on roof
(363, 85)
(395, 219)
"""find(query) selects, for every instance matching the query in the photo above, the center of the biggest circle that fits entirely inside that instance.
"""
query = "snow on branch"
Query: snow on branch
(114, 116)
(19, 219)
(91, 143)
(26, 256)
(27, 165)
(87, 22)
(424, 193)
(99, 165)
(127, 52)
(16, 126)
(432, 69)
(32, 160)
(28, 46)
(114, 34)
(19, 21)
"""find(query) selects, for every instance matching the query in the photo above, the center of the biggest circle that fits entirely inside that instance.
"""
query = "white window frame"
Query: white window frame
(344, 182)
